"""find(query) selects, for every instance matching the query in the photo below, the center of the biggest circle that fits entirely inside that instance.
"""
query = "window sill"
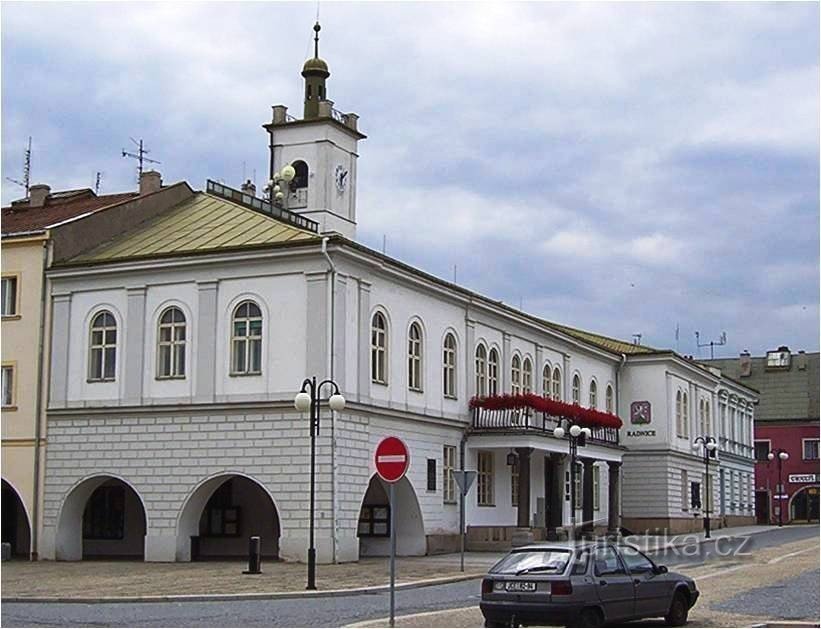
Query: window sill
(380, 382)
(100, 381)
(449, 502)
(451, 397)
(486, 505)
(244, 375)
(11, 408)
(414, 390)
(11, 317)
(169, 377)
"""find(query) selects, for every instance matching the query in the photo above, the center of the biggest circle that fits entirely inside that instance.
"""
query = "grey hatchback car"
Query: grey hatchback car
(587, 584)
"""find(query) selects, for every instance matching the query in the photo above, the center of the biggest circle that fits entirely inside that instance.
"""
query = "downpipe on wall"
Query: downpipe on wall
(329, 334)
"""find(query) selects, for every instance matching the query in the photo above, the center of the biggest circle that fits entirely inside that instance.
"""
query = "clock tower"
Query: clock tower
(322, 149)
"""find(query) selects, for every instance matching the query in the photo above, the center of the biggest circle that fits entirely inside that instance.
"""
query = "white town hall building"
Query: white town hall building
(178, 347)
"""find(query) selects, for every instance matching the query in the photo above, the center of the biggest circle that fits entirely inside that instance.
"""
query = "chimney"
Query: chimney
(802, 360)
(745, 364)
(150, 181)
(38, 194)
(249, 188)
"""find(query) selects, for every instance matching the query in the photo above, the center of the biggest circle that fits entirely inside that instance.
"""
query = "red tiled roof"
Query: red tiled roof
(19, 218)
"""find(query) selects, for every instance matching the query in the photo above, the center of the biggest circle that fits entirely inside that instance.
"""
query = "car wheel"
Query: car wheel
(677, 616)
(495, 623)
(591, 617)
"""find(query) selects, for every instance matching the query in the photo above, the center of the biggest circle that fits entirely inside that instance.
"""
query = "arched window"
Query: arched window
(246, 340)
(527, 376)
(300, 179)
(449, 366)
(379, 349)
(594, 394)
(546, 384)
(557, 384)
(679, 423)
(608, 399)
(516, 375)
(103, 347)
(481, 370)
(493, 372)
(577, 389)
(685, 411)
(171, 340)
(415, 357)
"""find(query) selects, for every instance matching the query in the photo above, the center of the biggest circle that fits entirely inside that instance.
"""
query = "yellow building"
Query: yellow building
(37, 231)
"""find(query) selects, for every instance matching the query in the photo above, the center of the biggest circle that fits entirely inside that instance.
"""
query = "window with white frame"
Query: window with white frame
(685, 491)
(379, 349)
(577, 484)
(449, 366)
(685, 411)
(484, 479)
(102, 347)
(8, 385)
(679, 428)
(593, 394)
(448, 467)
(481, 370)
(546, 384)
(514, 482)
(576, 391)
(493, 372)
(527, 376)
(608, 399)
(9, 295)
(557, 384)
(246, 340)
(708, 420)
(516, 375)
(810, 449)
(415, 357)
(171, 340)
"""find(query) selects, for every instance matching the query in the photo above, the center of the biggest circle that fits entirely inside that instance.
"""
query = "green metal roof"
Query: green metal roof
(605, 342)
(202, 223)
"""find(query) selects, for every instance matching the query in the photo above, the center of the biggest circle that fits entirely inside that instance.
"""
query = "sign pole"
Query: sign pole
(393, 553)
(462, 528)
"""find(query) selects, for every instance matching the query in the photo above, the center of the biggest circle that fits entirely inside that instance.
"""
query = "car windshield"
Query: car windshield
(551, 560)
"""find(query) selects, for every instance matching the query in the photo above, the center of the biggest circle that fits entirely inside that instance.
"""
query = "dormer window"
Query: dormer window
(779, 359)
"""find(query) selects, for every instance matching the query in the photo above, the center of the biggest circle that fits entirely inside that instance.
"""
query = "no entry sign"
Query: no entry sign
(392, 459)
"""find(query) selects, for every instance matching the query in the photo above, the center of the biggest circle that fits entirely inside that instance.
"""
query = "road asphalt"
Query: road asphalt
(330, 611)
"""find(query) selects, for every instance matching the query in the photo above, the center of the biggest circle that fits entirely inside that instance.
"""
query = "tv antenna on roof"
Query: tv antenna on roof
(637, 339)
(722, 340)
(140, 155)
(97, 183)
(26, 183)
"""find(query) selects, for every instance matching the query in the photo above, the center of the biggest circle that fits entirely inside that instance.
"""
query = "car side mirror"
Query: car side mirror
(660, 570)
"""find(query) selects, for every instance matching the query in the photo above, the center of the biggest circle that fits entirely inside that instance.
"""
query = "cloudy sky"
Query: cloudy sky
(625, 168)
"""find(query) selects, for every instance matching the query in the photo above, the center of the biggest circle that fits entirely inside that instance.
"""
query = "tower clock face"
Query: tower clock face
(341, 178)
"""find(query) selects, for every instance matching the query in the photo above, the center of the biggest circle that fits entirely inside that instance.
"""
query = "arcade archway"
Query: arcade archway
(103, 517)
(373, 528)
(804, 504)
(16, 530)
(221, 514)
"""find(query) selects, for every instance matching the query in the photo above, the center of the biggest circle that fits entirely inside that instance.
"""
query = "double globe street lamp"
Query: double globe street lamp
(781, 456)
(308, 399)
(280, 179)
(576, 436)
(708, 446)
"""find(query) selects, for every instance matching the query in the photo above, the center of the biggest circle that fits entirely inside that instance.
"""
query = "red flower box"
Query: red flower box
(555, 408)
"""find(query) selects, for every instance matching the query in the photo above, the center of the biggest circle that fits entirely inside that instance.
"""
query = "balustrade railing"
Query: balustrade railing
(526, 419)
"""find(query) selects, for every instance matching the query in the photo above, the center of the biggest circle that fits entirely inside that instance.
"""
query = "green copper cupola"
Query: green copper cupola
(315, 72)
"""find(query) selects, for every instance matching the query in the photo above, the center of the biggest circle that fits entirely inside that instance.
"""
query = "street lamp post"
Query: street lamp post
(781, 455)
(308, 399)
(576, 436)
(709, 446)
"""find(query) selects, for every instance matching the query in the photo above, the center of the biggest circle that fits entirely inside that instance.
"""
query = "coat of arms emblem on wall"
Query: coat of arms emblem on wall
(640, 412)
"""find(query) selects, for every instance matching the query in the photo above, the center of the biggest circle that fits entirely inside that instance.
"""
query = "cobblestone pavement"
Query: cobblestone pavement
(726, 588)
(132, 578)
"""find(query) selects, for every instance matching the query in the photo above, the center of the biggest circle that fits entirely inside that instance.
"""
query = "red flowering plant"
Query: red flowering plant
(554, 408)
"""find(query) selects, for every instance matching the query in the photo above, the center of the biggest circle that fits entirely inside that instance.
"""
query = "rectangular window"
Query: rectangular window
(104, 516)
(762, 449)
(695, 495)
(374, 521)
(577, 483)
(484, 481)
(9, 295)
(223, 522)
(810, 449)
(431, 474)
(596, 488)
(8, 386)
(514, 483)
(685, 489)
(707, 488)
(448, 467)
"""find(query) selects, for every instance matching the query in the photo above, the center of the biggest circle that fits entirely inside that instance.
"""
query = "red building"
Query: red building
(786, 431)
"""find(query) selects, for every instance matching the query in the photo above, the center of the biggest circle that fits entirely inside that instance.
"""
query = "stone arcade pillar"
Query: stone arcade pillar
(613, 468)
(523, 535)
(553, 483)
(587, 497)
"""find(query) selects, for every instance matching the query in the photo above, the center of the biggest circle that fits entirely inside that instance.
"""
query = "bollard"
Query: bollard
(254, 556)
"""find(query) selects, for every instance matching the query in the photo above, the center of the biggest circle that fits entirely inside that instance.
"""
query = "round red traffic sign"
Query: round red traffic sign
(392, 459)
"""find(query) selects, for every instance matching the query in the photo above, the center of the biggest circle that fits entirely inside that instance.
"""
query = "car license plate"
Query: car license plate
(520, 586)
